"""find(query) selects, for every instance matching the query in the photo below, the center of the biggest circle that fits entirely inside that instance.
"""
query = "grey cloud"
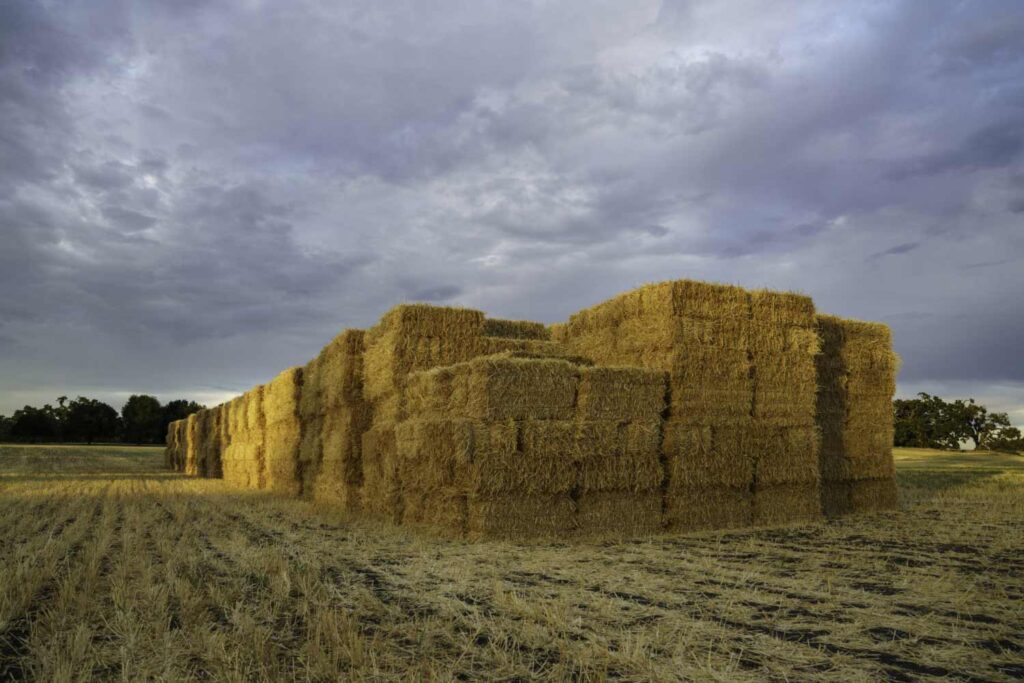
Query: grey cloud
(195, 195)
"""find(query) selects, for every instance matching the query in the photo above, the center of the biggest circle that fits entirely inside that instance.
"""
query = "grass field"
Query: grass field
(112, 568)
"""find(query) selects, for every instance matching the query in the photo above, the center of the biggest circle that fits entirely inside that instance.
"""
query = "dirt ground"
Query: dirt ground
(111, 567)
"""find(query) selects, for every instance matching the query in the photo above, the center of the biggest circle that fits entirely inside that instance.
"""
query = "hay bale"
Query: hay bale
(414, 337)
(785, 455)
(707, 507)
(781, 308)
(191, 465)
(281, 397)
(493, 389)
(381, 492)
(620, 393)
(515, 329)
(709, 456)
(621, 457)
(520, 516)
(618, 513)
(341, 370)
(537, 348)
(441, 509)
(787, 503)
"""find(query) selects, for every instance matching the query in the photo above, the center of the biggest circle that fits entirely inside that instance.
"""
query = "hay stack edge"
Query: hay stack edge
(678, 406)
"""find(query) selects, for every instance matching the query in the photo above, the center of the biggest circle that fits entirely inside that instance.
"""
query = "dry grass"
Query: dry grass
(113, 568)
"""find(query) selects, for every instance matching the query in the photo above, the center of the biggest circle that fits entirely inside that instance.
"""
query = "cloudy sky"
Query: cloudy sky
(194, 195)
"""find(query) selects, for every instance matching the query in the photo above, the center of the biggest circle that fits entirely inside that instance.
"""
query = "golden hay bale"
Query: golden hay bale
(341, 436)
(255, 419)
(619, 456)
(785, 455)
(786, 503)
(618, 513)
(172, 445)
(432, 454)
(559, 332)
(310, 392)
(281, 397)
(380, 493)
(515, 329)
(874, 495)
(516, 516)
(708, 456)
(707, 507)
(785, 407)
(620, 393)
(415, 337)
(646, 333)
(497, 388)
(331, 491)
(781, 308)
(527, 347)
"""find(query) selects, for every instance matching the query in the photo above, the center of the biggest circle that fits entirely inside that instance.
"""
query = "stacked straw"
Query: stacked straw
(785, 442)
(191, 445)
(335, 417)
(283, 432)
(699, 334)
(506, 446)
(407, 339)
(857, 373)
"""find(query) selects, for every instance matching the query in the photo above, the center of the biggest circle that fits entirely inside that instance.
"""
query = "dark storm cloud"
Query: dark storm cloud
(194, 195)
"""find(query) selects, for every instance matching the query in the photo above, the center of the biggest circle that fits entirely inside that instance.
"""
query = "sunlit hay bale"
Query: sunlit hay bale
(786, 503)
(781, 308)
(624, 457)
(559, 332)
(515, 516)
(515, 329)
(618, 513)
(708, 456)
(341, 435)
(281, 397)
(496, 388)
(191, 445)
(835, 497)
(415, 337)
(874, 495)
(341, 371)
(707, 507)
(527, 457)
(215, 443)
(283, 473)
(785, 455)
(620, 393)
(440, 509)
(381, 490)
(331, 491)
(434, 453)
(647, 333)
(311, 390)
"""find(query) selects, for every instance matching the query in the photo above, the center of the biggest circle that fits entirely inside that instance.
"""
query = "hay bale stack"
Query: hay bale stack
(516, 329)
(234, 452)
(283, 432)
(784, 446)
(174, 453)
(857, 377)
(342, 416)
(500, 447)
(191, 466)
(618, 450)
(699, 334)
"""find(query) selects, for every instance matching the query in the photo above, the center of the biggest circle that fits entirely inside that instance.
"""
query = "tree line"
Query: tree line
(143, 419)
(930, 422)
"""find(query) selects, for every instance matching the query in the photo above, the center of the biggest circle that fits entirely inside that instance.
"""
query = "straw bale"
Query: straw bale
(529, 457)
(331, 491)
(515, 329)
(443, 509)
(785, 455)
(341, 435)
(281, 397)
(499, 388)
(786, 503)
(311, 391)
(707, 507)
(255, 419)
(620, 393)
(380, 493)
(874, 495)
(415, 337)
(708, 456)
(517, 516)
(432, 452)
(618, 513)
(173, 445)
(559, 332)
(341, 370)
(649, 332)
(835, 498)
(785, 407)
(781, 308)
(619, 456)
(539, 348)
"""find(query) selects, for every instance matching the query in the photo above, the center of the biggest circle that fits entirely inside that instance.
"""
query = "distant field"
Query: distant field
(111, 568)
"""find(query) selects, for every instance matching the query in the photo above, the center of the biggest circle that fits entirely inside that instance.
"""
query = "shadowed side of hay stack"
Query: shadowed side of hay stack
(857, 376)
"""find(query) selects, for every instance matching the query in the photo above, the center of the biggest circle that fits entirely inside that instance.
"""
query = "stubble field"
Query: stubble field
(112, 568)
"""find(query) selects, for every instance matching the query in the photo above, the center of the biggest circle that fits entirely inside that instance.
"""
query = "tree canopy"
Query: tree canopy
(931, 422)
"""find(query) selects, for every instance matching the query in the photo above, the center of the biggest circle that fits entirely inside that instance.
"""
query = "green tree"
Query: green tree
(1007, 440)
(33, 424)
(5, 429)
(969, 421)
(143, 419)
(177, 409)
(91, 420)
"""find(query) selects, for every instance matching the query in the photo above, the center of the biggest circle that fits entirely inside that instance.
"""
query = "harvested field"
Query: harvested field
(114, 568)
